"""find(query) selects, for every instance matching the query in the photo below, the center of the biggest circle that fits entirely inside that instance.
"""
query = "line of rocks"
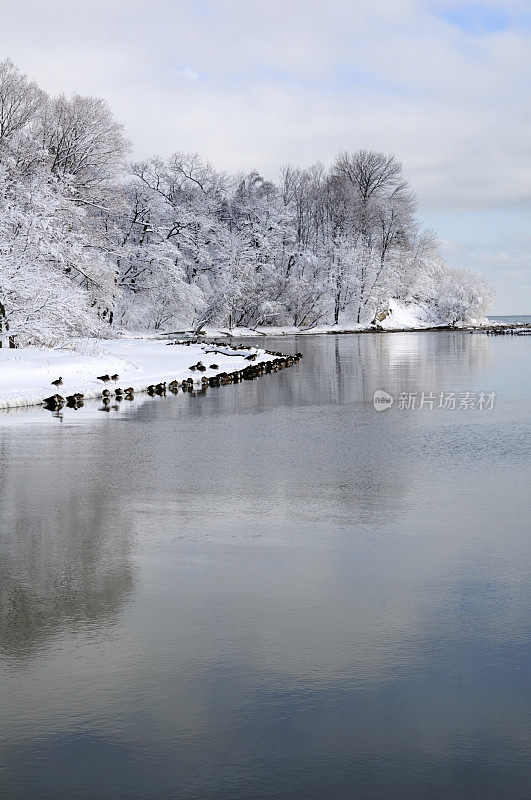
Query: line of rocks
(524, 331)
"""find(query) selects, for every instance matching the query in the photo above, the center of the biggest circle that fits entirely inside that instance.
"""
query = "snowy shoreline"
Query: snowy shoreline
(398, 317)
(322, 330)
(142, 359)
(26, 373)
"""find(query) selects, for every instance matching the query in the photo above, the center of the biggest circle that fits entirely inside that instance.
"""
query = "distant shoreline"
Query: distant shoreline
(238, 333)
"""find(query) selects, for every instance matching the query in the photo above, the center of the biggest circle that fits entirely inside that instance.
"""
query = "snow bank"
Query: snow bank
(416, 316)
(410, 315)
(26, 374)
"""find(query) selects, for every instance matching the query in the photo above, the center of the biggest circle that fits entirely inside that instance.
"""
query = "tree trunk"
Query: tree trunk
(4, 325)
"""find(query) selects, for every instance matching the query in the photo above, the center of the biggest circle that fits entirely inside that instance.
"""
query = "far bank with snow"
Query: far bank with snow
(395, 315)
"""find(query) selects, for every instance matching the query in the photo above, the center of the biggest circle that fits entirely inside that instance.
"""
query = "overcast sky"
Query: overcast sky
(253, 84)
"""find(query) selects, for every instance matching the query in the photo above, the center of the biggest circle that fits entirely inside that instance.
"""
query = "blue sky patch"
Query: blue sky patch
(476, 17)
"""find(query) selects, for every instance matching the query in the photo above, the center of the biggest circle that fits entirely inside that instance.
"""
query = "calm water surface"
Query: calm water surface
(273, 590)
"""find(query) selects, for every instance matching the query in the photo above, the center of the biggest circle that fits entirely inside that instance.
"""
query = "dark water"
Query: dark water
(273, 590)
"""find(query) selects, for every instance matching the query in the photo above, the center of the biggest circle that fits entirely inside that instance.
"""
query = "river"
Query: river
(273, 590)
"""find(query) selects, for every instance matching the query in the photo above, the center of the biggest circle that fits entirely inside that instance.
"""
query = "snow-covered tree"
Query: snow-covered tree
(42, 240)
(89, 243)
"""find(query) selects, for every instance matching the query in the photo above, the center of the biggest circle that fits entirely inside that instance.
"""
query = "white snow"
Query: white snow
(411, 315)
(26, 373)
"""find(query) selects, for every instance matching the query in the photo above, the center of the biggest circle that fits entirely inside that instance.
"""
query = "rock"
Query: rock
(380, 316)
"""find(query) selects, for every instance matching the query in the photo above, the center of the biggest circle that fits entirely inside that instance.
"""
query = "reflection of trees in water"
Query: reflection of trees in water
(411, 362)
(416, 362)
(345, 369)
(64, 562)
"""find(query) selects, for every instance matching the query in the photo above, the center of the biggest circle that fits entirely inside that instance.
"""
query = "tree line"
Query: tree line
(91, 243)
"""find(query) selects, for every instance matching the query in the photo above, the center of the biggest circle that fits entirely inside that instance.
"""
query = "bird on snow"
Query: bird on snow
(104, 378)
(58, 382)
(115, 377)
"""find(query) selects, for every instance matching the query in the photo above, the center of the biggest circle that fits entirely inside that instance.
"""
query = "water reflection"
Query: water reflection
(271, 590)
(64, 562)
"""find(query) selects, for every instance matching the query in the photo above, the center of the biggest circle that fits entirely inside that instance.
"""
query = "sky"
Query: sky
(255, 84)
